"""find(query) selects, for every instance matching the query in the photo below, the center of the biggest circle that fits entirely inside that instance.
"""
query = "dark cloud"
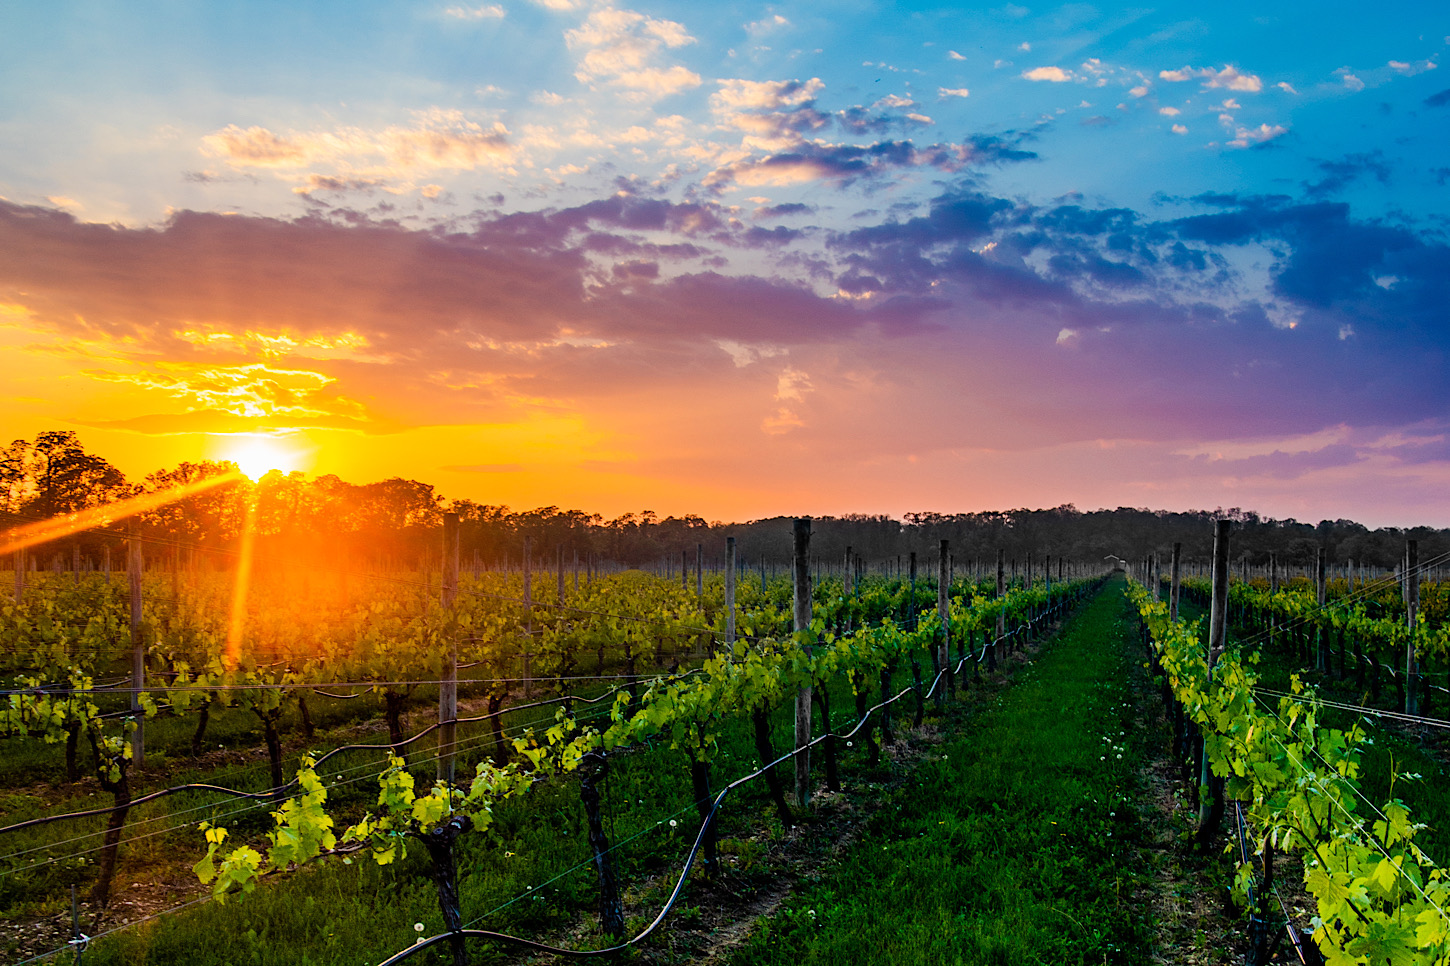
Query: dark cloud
(860, 120)
(952, 219)
(783, 210)
(637, 270)
(994, 149)
(1438, 99)
(863, 120)
(846, 164)
(608, 300)
(1338, 175)
(766, 237)
(1075, 219)
(1285, 466)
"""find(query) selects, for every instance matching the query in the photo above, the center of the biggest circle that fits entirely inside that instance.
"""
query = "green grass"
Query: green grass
(1014, 846)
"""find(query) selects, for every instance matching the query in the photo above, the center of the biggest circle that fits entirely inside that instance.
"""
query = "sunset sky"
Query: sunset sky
(742, 259)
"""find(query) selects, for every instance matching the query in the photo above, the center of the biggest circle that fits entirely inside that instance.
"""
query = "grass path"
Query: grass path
(1016, 845)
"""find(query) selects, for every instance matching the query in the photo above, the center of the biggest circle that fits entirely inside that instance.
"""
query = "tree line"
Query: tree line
(395, 523)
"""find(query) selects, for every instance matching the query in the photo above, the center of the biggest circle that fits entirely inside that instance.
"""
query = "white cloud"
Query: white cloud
(743, 354)
(954, 55)
(1024, 46)
(1169, 111)
(1350, 81)
(1229, 78)
(1245, 137)
(952, 92)
(1411, 69)
(490, 11)
(1179, 129)
(1054, 74)
(1286, 87)
(894, 100)
(792, 385)
(1140, 91)
(782, 422)
(620, 48)
(765, 25)
(747, 95)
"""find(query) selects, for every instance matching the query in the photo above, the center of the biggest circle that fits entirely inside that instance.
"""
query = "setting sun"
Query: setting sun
(256, 456)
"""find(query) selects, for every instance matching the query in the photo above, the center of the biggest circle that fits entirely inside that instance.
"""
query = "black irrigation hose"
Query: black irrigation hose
(689, 859)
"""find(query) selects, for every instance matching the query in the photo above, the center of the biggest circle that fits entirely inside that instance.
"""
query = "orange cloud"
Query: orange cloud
(441, 140)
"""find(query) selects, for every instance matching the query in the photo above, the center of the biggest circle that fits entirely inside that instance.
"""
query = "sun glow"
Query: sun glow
(256, 456)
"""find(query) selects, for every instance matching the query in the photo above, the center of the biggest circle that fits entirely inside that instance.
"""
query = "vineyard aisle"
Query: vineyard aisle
(1019, 840)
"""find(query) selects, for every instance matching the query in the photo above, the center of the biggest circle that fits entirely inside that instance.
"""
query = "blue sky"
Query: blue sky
(1224, 225)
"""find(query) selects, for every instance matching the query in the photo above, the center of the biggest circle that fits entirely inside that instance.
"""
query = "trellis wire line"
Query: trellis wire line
(1339, 602)
(607, 615)
(557, 605)
(259, 804)
(313, 685)
(373, 685)
(269, 795)
(653, 827)
(116, 928)
(1399, 716)
(1358, 826)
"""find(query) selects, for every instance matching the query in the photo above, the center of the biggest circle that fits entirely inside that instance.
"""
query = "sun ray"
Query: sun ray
(42, 531)
(237, 624)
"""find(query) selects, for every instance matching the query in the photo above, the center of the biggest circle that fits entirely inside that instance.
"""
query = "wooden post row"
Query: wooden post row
(802, 610)
(528, 618)
(1412, 614)
(730, 592)
(1217, 635)
(134, 566)
(943, 609)
(448, 687)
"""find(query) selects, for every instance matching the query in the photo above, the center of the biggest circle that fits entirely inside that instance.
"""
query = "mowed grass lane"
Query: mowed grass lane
(1016, 843)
